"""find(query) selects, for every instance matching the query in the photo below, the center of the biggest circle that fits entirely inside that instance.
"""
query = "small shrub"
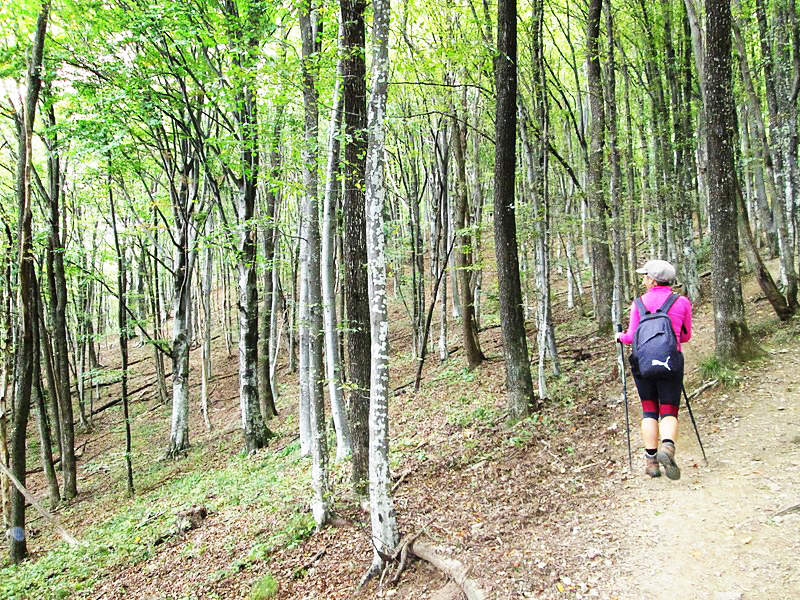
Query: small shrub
(266, 587)
(713, 368)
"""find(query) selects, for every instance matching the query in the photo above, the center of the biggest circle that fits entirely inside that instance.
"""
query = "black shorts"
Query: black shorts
(660, 397)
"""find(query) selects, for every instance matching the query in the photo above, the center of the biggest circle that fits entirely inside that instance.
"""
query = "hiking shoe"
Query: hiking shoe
(666, 457)
(651, 468)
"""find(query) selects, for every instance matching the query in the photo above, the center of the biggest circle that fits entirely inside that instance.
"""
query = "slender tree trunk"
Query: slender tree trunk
(18, 548)
(205, 292)
(304, 407)
(782, 202)
(267, 314)
(45, 438)
(442, 169)
(123, 336)
(157, 310)
(615, 182)
(763, 275)
(328, 273)
(469, 329)
(58, 315)
(6, 358)
(519, 385)
(311, 32)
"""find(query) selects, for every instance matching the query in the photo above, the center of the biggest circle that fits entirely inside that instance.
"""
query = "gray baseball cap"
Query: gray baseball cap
(660, 270)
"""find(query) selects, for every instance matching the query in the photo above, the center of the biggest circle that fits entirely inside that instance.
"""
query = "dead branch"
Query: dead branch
(450, 567)
(32, 500)
(787, 510)
(79, 453)
(400, 481)
(310, 563)
(703, 388)
(116, 401)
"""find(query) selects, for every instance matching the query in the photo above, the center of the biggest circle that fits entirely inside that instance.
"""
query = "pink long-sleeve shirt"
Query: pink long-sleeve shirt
(680, 313)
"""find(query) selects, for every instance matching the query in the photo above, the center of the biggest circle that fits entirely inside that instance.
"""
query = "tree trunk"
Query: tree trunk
(254, 430)
(181, 334)
(383, 518)
(18, 548)
(311, 32)
(441, 176)
(122, 315)
(45, 437)
(469, 329)
(763, 276)
(778, 113)
(519, 385)
(205, 293)
(602, 270)
(267, 313)
(303, 335)
(157, 310)
(328, 273)
(619, 298)
(58, 316)
(733, 339)
(355, 247)
(7, 333)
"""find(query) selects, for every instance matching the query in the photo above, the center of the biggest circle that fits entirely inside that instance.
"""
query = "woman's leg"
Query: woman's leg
(669, 428)
(650, 432)
(669, 394)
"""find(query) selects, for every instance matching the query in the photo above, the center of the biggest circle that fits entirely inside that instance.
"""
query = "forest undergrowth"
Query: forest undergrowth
(530, 510)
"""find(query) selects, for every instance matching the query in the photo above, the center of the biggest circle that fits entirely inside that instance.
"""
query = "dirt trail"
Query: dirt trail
(713, 533)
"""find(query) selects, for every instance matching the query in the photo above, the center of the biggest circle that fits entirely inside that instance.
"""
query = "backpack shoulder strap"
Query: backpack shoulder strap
(641, 307)
(668, 303)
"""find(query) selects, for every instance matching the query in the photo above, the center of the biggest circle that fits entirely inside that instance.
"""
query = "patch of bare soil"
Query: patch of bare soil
(730, 530)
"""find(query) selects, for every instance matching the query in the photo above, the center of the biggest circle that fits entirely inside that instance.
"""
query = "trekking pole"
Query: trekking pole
(625, 395)
(694, 423)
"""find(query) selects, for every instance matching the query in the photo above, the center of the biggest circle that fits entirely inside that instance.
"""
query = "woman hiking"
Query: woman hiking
(657, 362)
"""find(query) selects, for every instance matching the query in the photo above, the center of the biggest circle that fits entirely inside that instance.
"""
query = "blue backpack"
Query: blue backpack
(655, 348)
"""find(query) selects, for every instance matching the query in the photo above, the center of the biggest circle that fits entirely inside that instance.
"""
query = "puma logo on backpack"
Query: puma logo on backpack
(655, 348)
(655, 363)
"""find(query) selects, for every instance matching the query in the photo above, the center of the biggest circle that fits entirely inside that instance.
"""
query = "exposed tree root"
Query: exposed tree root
(410, 545)
(450, 567)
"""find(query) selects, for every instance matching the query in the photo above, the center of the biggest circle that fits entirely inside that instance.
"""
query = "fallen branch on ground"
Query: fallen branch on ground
(703, 388)
(116, 401)
(57, 461)
(32, 499)
(400, 480)
(787, 510)
(297, 573)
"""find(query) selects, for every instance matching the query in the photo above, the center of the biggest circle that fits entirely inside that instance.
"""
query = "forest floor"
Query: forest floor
(545, 509)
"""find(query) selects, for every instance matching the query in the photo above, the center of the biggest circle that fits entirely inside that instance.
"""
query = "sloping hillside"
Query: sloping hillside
(546, 508)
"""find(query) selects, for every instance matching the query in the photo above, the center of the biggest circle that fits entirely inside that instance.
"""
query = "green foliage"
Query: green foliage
(477, 416)
(714, 368)
(526, 430)
(704, 254)
(266, 587)
(455, 375)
